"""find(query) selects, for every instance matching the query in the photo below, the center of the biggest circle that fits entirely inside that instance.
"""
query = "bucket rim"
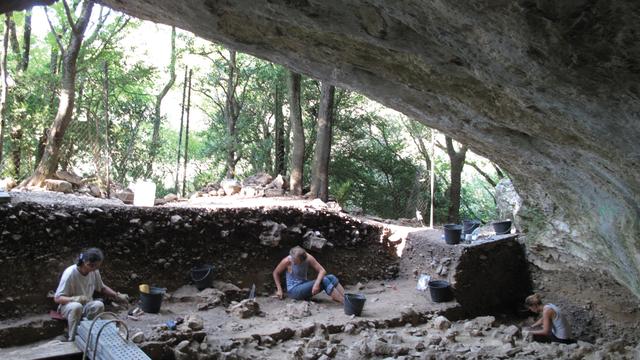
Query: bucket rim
(438, 284)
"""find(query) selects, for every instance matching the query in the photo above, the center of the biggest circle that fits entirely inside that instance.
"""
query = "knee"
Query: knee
(74, 309)
(331, 278)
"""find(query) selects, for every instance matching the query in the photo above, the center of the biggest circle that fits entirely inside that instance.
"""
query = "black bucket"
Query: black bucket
(468, 226)
(202, 276)
(150, 303)
(353, 304)
(440, 291)
(452, 233)
(502, 227)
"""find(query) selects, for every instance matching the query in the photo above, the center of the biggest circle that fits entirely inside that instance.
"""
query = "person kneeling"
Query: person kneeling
(555, 326)
(298, 287)
(78, 282)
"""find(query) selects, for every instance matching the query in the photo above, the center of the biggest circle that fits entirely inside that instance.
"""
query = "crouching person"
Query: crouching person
(298, 287)
(74, 295)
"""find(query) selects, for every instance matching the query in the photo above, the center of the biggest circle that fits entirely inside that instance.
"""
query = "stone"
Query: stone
(138, 337)
(271, 235)
(170, 197)
(298, 310)
(58, 186)
(277, 183)
(508, 202)
(94, 190)
(273, 192)
(258, 180)
(193, 322)
(230, 186)
(512, 331)
(175, 219)
(314, 241)
(451, 334)
(245, 309)
(434, 339)
(441, 323)
(526, 86)
(126, 196)
(69, 177)
(350, 328)
(7, 184)
(221, 192)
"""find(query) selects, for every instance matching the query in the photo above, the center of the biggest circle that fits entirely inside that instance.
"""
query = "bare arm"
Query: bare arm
(109, 292)
(547, 315)
(282, 266)
(321, 273)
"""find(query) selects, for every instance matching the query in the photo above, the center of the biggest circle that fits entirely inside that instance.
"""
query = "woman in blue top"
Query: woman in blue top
(298, 287)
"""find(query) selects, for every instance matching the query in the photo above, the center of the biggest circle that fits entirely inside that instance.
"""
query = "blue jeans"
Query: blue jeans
(303, 291)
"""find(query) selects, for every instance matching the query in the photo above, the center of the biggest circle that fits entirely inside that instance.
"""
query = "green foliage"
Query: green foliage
(377, 161)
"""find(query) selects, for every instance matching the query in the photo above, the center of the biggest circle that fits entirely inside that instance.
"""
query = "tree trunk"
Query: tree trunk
(5, 87)
(297, 147)
(13, 34)
(155, 138)
(231, 115)
(49, 162)
(279, 129)
(457, 164)
(16, 140)
(26, 40)
(320, 172)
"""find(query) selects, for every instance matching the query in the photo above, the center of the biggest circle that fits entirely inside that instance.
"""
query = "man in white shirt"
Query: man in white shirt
(78, 282)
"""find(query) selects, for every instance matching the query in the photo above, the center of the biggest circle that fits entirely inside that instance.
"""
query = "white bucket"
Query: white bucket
(144, 193)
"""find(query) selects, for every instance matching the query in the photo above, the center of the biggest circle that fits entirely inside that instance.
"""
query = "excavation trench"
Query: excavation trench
(160, 245)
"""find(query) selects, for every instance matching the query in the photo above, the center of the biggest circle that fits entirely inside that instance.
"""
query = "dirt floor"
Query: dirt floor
(397, 321)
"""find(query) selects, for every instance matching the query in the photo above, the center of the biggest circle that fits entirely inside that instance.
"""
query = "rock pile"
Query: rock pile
(257, 185)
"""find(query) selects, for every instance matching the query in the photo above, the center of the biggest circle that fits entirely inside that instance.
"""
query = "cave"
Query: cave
(547, 90)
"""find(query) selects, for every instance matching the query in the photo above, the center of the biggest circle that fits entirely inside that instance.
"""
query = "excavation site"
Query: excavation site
(209, 179)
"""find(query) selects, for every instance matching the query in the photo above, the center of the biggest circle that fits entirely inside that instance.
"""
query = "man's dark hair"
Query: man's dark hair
(90, 255)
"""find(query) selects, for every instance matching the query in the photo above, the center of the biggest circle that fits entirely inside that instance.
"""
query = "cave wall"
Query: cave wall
(159, 246)
(548, 90)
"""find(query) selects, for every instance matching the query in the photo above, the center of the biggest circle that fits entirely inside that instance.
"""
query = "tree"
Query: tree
(3, 77)
(279, 130)
(49, 161)
(297, 146)
(155, 138)
(457, 160)
(320, 172)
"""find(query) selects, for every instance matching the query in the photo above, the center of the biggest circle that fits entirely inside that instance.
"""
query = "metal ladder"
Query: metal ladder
(101, 340)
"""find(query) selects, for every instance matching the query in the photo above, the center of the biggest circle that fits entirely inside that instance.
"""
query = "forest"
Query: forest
(115, 99)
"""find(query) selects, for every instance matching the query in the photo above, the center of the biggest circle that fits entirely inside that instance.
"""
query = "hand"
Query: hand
(315, 289)
(122, 298)
(279, 294)
(79, 299)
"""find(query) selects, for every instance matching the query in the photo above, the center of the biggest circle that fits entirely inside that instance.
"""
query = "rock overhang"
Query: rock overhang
(547, 90)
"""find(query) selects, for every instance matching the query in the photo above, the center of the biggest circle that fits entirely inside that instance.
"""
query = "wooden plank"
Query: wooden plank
(48, 350)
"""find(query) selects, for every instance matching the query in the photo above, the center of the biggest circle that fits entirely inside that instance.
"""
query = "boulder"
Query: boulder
(245, 309)
(69, 177)
(277, 183)
(271, 235)
(94, 190)
(7, 184)
(258, 180)
(314, 241)
(441, 323)
(508, 202)
(58, 185)
(126, 196)
(231, 186)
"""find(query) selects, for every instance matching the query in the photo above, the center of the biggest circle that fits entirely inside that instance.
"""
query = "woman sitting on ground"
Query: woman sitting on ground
(77, 285)
(555, 326)
(298, 287)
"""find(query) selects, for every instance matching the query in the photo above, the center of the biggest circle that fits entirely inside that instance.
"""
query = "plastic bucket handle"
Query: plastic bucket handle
(204, 277)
